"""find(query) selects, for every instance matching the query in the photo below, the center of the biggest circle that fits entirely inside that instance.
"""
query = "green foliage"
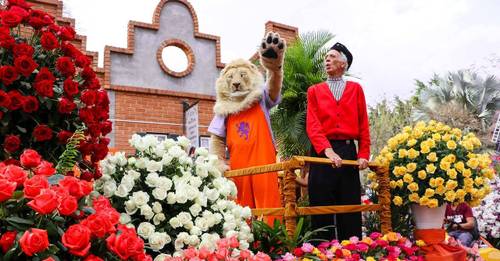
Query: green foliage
(303, 67)
(71, 154)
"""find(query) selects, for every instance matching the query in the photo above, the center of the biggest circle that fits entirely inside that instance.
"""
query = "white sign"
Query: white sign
(191, 124)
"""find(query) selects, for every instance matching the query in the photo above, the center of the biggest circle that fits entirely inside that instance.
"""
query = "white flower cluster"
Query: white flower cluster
(488, 213)
(173, 200)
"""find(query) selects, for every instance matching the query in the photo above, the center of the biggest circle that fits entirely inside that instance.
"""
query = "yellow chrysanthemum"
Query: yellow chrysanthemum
(412, 187)
(397, 200)
(422, 174)
(432, 157)
(430, 168)
(410, 167)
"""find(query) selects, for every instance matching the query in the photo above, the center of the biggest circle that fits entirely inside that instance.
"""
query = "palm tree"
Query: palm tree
(462, 99)
(303, 67)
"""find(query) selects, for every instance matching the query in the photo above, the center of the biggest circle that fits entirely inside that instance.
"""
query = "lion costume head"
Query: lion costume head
(239, 85)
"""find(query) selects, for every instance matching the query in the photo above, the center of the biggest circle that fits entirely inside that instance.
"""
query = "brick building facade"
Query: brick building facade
(145, 96)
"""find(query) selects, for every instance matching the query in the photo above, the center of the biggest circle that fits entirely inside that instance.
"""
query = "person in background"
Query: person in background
(460, 223)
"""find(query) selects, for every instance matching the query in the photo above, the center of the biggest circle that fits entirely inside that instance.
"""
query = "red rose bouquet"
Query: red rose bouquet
(48, 90)
(49, 216)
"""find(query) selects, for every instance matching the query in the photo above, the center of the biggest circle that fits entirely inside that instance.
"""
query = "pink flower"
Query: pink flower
(375, 235)
(354, 240)
(362, 247)
(190, 253)
(221, 253)
(222, 243)
(307, 248)
(203, 252)
(288, 257)
(233, 242)
(245, 254)
(261, 257)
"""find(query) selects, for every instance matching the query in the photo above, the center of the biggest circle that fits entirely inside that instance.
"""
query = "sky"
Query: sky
(394, 42)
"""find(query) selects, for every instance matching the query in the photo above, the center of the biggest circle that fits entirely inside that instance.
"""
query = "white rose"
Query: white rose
(140, 198)
(159, 193)
(195, 209)
(175, 222)
(165, 183)
(132, 161)
(195, 231)
(181, 197)
(171, 199)
(201, 223)
(108, 169)
(159, 150)
(193, 240)
(128, 182)
(125, 218)
(134, 174)
(122, 191)
(201, 200)
(153, 166)
(130, 207)
(178, 244)
(191, 192)
(147, 212)
(145, 229)
(246, 213)
(157, 207)
(184, 217)
(161, 257)
(121, 159)
(176, 151)
(244, 244)
(212, 194)
(200, 151)
(158, 240)
(141, 163)
(158, 218)
(152, 179)
(168, 143)
(185, 160)
(189, 225)
(184, 142)
(201, 170)
(109, 188)
(150, 141)
(195, 181)
(166, 159)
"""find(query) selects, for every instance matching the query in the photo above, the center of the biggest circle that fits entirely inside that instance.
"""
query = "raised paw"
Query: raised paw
(271, 51)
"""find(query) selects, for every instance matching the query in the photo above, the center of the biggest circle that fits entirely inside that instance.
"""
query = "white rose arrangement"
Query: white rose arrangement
(173, 201)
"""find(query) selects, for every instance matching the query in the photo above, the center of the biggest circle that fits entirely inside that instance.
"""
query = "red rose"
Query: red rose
(30, 158)
(94, 129)
(85, 148)
(45, 168)
(6, 40)
(34, 185)
(11, 143)
(66, 106)
(70, 50)
(77, 239)
(86, 115)
(23, 49)
(11, 19)
(92, 84)
(39, 19)
(86, 175)
(30, 104)
(49, 41)
(34, 241)
(11, 161)
(42, 133)
(25, 65)
(67, 33)
(45, 75)
(70, 87)
(126, 244)
(7, 240)
(15, 174)
(68, 205)
(20, 3)
(82, 61)
(102, 98)
(298, 252)
(73, 186)
(4, 99)
(99, 225)
(88, 73)
(65, 66)
(89, 97)
(45, 203)
(106, 127)
(93, 258)
(44, 88)
(7, 188)
(16, 100)
(63, 136)
(8, 74)
(100, 152)
(101, 203)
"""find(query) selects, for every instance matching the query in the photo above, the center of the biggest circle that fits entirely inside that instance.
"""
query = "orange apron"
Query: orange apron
(435, 249)
(250, 144)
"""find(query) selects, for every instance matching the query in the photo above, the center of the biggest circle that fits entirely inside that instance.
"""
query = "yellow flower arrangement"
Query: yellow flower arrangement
(431, 164)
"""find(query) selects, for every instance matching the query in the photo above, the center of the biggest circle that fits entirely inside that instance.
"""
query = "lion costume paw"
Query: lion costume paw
(272, 50)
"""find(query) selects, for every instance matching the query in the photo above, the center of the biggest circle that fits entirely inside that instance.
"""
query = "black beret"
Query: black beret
(341, 48)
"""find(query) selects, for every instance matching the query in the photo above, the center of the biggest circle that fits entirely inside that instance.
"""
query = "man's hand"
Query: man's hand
(336, 159)
(363, 163)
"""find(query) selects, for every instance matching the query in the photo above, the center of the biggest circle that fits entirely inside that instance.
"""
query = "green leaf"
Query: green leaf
(19, 220)
(21, 129)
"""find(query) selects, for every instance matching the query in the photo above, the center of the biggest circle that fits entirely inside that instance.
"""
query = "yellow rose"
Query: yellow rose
(406, 129)
(393, 143)
(410, 167)
(420, 125)
(346, 252)
(366, 240)
(432, 183)
(408, 178)
(392, 184)
(400, 183)
(439, 181)
(429, 192)
(444, 165)
(374, 185)
(432, 157)
(459, 166)
(417, 133)
(452, 173)
(413, 197)
(473, 163)
(431, 143)
(446, 137)
(478, 181)
(402, 153)
(436, 136)
(391, 236)
(370, 259)
(457, 132)
(451, 158)
(413, 153)
(345, 242)
(433, 203)
(430, 168)
(412, 187)
(488, 173)
(450, 196)
(422, 174)
(451, 184)
(467, 173)
(440, 190)
(468, 145)
(411, 142)
(423, 201)
(398, 201)
(460, 193)
(468, 182)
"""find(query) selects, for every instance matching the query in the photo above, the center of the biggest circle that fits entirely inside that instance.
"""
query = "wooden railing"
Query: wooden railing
(290, 211)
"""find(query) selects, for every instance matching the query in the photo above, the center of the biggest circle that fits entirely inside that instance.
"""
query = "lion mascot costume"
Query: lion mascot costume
(241, 122)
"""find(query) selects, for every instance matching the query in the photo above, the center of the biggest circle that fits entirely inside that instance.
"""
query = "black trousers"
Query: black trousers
(336, 186)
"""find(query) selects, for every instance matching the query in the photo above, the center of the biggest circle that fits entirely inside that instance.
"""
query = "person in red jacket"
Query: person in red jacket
(336, 116)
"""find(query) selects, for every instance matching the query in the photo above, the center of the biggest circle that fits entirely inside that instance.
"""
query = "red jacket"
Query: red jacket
(329, 119)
